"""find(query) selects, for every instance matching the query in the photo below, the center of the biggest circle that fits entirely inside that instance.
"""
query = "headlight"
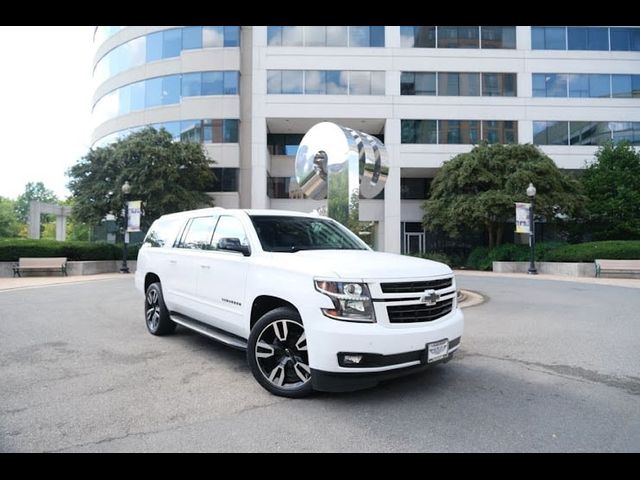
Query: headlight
(352, 301)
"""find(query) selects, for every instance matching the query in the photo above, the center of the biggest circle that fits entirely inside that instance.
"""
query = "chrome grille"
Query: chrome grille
(416, 287)
(419, 312)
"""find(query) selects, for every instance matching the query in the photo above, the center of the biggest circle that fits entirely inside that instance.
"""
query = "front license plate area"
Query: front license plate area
(437, 350)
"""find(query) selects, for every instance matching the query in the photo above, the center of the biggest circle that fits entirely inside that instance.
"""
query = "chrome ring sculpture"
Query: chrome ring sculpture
(342, 165)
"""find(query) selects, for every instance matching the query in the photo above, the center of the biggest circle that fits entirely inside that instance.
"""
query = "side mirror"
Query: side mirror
(233, 245)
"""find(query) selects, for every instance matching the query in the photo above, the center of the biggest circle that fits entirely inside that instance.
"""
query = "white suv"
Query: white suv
(313, 306)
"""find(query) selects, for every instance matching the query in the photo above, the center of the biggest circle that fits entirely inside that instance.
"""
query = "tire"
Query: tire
(155, 311)
(277, 354)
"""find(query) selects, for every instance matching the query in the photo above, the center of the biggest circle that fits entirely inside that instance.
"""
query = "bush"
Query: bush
(481, 258)
(588, 252)
(12, 249)
(436, 257)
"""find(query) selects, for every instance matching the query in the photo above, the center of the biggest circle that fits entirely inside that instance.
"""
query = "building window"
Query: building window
(226, 180)
(458, 37)
(418, 83)
(499, 84)
(415, 188)
(625, 39)
(625, 86)
(458, 84)
(325, 82)
(588, 38)
(551, 133)
(418, 37)
(589, 133)
(325, 36)
(593, 86)
(549, 85)
(278, 187)
(419, 131)
(549, 38)
(500, 131)
(283, 143)
(498, 37)
(466, 132)
(625, 131)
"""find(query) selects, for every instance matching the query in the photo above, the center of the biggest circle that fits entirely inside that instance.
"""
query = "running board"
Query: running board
(211, 332)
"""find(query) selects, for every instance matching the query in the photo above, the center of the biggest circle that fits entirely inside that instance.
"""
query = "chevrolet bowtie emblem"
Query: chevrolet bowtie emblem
(430, 297)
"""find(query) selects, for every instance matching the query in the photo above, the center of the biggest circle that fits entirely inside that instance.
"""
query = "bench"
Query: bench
(617, 266)
(40, 264)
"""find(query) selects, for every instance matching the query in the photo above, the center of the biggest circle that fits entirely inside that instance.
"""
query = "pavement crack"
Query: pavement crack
(627, 383)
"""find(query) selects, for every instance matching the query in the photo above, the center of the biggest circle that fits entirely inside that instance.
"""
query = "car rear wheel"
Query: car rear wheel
(155, 312)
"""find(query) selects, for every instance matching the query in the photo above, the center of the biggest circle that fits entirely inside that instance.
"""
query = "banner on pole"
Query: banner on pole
(134, 213)
(522, 218)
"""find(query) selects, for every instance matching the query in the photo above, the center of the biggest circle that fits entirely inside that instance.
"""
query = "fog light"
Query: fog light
(352, 359)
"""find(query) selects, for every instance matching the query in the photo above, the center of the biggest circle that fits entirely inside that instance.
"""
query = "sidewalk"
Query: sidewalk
(31, 282)
(615, 282)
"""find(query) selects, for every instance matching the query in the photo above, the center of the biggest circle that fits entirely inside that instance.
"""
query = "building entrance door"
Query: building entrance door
(414, 242)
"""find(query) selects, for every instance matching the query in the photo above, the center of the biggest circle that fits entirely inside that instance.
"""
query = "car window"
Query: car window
(163, 232)
(198, 234)
(229, 227)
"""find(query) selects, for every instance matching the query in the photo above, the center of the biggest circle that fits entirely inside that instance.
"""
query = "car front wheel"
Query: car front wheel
(277, 354)
(155, 311)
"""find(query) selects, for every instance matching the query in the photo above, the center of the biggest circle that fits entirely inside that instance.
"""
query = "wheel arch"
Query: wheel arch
(150, 278)
(264, 304)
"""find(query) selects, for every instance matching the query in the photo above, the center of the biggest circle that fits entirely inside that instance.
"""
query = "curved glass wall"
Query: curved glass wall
(325, 36)
(163, 44)
(212, 130)
(102, 33)
(167, 90)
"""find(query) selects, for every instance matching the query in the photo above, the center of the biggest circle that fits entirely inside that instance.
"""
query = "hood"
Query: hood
(359, 264)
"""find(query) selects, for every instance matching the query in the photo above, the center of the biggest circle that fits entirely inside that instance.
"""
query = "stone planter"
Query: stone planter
(572, 269)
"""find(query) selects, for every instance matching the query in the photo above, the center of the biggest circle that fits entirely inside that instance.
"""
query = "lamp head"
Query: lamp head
(126, 188)
(531, 190)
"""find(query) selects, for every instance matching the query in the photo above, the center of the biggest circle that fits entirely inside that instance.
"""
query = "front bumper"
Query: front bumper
(351, 381)
(327, 338)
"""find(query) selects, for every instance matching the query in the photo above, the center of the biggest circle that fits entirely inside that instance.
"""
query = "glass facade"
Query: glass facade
(101, 33)
(325, 82)
(584, 132)
(589, 85)
(415, 188)
(216, 130)
(163, 44)
(618, 39)
(167, 90)
(458, 132)
(457, 37)
(325, 36)
(458, 84)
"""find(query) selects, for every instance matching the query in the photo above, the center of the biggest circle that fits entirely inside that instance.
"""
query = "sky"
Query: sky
(45, 105)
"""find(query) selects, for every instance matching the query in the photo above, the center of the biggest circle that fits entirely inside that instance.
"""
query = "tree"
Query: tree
(167, 176)
(33, 191)
(477, 190)
(612, 185)
(9, 225)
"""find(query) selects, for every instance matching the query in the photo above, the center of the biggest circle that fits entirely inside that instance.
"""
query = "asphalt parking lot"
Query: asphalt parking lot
(543, 366)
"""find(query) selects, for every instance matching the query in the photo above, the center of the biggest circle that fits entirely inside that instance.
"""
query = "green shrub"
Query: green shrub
(478, 259)
(588, 252)
(436, 257)
(12, 249)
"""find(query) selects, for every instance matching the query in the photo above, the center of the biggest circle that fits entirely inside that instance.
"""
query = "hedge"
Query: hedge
(481, 258)
(12, 249)
(588, 252)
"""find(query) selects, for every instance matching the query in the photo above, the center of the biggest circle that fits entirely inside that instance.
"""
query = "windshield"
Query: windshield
(291, 234)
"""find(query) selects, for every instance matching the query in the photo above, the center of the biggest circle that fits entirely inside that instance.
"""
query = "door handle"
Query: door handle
(205, 266)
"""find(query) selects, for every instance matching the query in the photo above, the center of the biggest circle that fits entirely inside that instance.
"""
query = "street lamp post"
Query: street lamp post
(126, 190)
(531, 193)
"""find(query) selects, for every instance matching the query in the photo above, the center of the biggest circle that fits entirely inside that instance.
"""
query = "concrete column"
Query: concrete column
(392, 189)
(34, 219)
(61, 230)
